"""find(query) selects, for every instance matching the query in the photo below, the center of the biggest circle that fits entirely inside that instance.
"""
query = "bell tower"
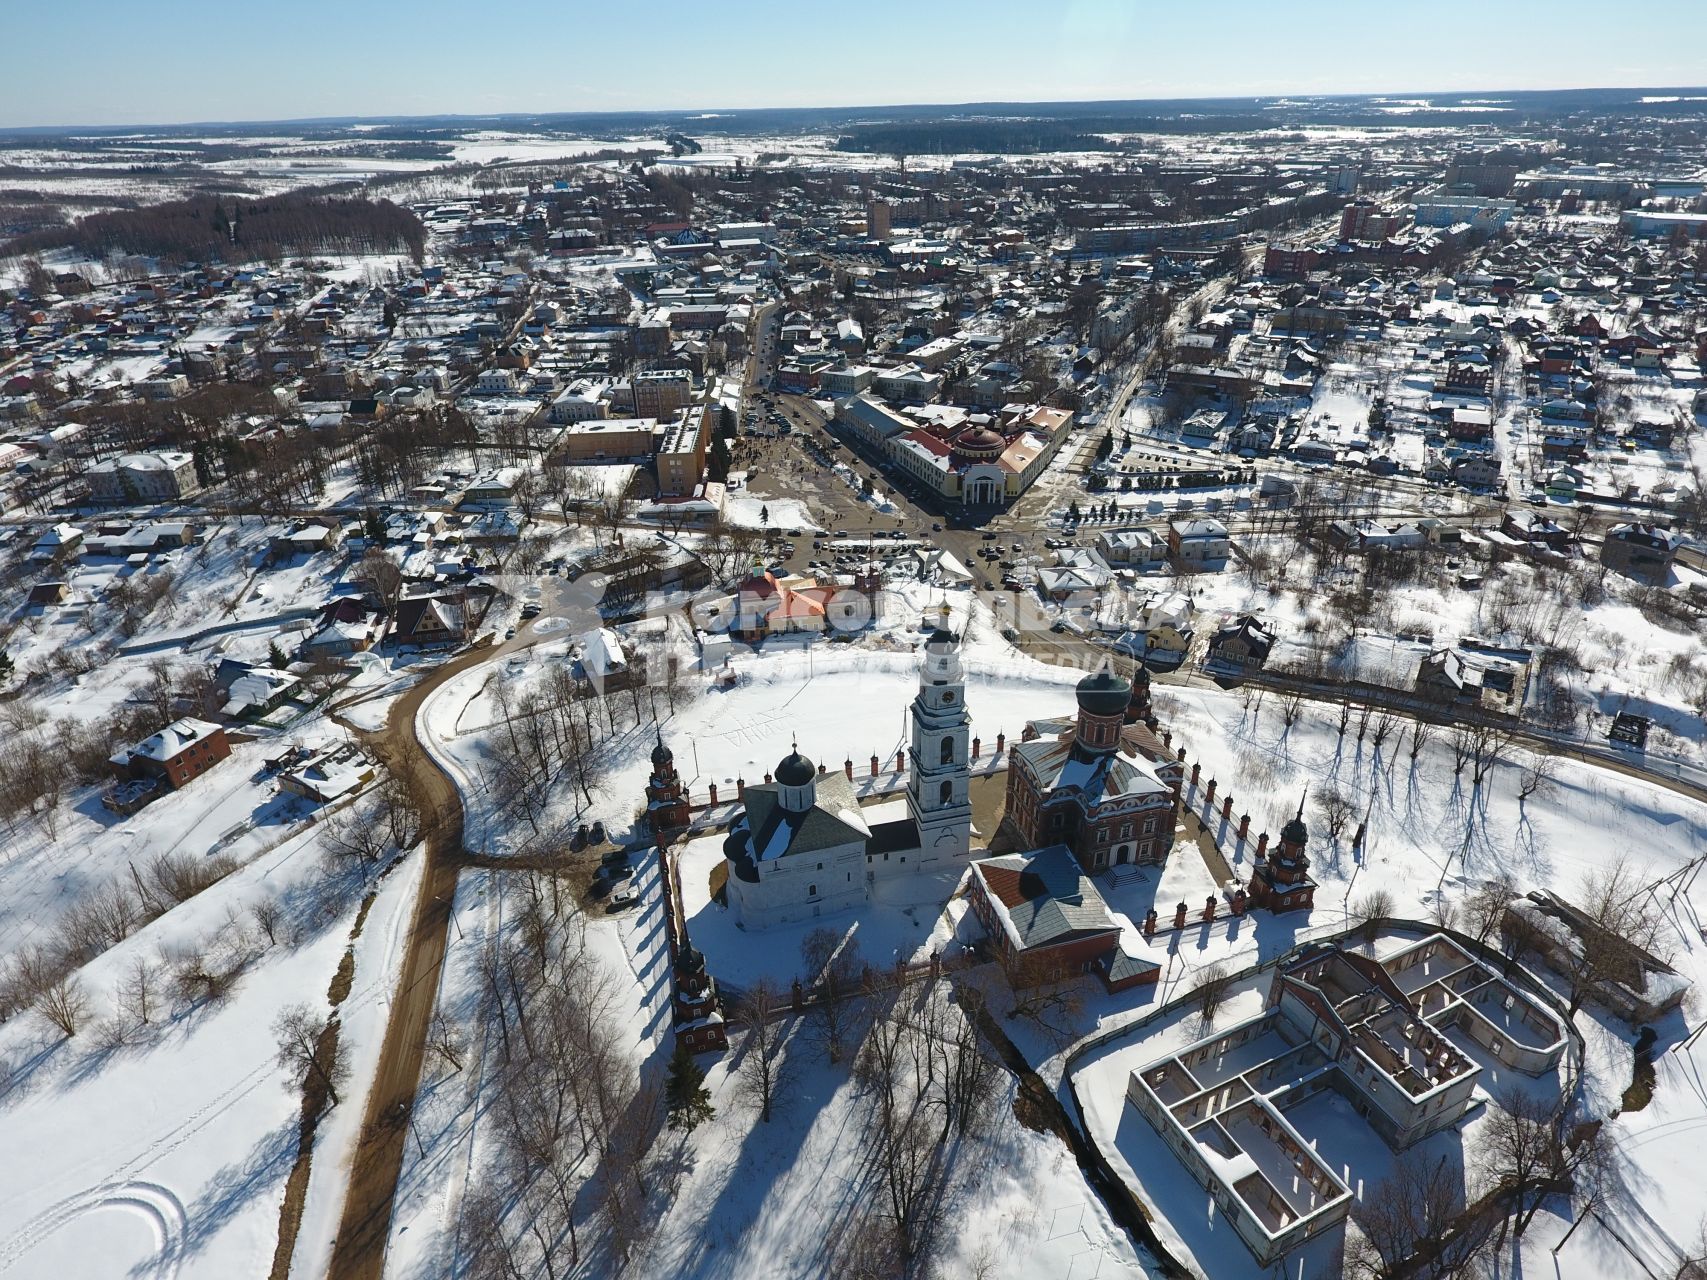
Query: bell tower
(1281, 881)
(939, 764)
(667, 807)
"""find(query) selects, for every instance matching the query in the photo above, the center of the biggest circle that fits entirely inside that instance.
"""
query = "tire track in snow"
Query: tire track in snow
(157, 1204)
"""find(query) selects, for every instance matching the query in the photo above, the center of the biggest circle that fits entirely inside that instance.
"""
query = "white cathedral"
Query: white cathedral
(803, 847)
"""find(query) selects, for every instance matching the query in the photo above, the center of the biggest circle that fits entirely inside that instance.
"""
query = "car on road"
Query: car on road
(936, 526)
(989, 535)
(530, 609)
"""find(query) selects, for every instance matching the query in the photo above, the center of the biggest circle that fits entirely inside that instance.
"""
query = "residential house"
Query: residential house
(430, 621)
(254, 691)
(1640, 551)
(1198, 544)
(1138, 549)
(1240, 646)
(179, 753)
(329, 774)
(344, 627)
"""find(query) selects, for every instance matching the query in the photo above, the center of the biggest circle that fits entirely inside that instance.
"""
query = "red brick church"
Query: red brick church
(1104, 783)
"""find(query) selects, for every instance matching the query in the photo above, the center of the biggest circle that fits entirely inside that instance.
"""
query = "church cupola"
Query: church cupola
(797, 782)
(1103, 697)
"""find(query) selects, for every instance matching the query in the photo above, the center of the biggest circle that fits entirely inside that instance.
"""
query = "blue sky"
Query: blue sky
(170, 61)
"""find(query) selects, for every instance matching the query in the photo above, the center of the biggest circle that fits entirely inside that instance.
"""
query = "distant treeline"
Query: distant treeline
(209, 228)
(951, 137)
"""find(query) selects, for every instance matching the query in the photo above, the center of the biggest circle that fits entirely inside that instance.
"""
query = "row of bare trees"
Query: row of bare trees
(926, 1083)
(153, 988)
(557, 732)
(573, 1121)
(1434, 1219)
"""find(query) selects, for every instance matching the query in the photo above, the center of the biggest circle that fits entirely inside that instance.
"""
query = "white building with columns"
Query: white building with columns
(802, 847)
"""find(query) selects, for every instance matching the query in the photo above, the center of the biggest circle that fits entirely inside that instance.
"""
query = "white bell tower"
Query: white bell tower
(939, 764)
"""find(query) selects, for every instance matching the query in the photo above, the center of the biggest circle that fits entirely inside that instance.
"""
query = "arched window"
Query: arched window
(946, 794)
(948, 750)
(811, 891)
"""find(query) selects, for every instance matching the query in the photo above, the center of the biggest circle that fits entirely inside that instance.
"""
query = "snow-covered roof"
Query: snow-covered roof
(172, 741)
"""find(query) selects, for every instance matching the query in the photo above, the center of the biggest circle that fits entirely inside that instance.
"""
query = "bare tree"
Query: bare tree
(1490, 746)
(140, 990)
(1524, 1154)
(445, 1039)
(1337, 810)
(1211, 991)
(308, 1045)
(833, 967)
(1537, 775)
(63, 1003)
(1485, 908)
(1048, 996)
(1369, 909)
(1619, 921)
(1422, 733)
(269, 918)
(1409, 1225)
(1463, 740)
(1381, 729)
(355, 835)
(383, 577)
(762, 1060)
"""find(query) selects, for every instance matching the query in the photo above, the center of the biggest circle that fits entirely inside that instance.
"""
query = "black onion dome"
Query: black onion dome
(1103, 693)
(796, 770)
(1295, 832)
(661, 755)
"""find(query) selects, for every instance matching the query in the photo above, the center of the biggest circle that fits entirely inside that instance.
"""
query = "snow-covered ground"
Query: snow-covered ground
(167, 1155)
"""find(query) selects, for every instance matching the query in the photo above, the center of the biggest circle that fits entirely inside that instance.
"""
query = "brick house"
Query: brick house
(182, 751)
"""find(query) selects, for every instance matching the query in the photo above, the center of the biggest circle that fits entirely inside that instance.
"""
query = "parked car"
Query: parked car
(624, 897)
(597, 834)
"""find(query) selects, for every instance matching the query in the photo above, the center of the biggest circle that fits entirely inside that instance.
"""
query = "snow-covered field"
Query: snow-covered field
(167, 1155)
